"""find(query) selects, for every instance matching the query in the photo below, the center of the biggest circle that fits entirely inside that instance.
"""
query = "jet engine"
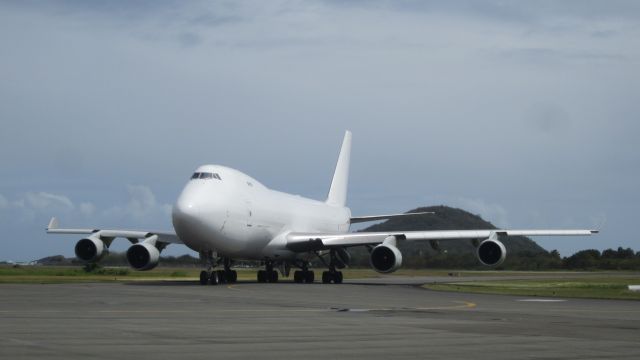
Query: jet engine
(491, 252)
(90, 249)
(143, 256)
(385, 258)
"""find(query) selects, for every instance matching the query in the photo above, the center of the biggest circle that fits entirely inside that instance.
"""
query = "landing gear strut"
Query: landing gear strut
(333, 275)
(215, 277)
(268, 275)
(230, 276)
(208, 276)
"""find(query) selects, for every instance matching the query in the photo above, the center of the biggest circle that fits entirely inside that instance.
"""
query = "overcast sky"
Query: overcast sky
(523, 112)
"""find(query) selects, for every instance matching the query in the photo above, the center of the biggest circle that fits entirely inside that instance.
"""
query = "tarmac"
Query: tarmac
(386, 319)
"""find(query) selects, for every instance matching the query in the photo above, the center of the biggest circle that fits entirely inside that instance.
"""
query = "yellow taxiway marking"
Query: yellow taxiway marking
(461, 305)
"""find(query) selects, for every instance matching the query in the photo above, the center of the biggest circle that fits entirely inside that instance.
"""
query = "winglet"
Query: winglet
(53, 224)
(338, 191)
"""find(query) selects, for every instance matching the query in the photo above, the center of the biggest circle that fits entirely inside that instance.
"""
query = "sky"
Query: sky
(525, 113)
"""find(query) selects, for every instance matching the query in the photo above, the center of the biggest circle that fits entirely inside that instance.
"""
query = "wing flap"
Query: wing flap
(301, 242)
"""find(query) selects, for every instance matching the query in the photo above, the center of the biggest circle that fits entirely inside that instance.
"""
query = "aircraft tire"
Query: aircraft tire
(309, 277)
(213, 279)
(232, 276)
(204, 277)
(326, 277)
(222, 277)
(337, 279)
(298, 277)
(262, 276)
(273, 276)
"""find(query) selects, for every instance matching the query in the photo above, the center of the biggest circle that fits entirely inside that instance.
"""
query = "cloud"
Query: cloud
(33, 208)
(141, 206)
(43, 200)
(189, 39)
(87, 209)
(497, 10)
(494, 213)
(548, 118)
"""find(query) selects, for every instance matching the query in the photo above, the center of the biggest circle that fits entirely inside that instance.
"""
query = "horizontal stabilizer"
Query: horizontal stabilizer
(359, 219)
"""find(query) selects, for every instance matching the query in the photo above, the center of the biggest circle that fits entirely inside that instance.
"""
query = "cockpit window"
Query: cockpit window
(205, 175)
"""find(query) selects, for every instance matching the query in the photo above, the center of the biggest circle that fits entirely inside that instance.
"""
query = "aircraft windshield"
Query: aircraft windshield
(205, 175)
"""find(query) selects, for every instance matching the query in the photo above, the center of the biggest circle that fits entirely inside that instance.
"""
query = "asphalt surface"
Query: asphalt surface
(183, 320)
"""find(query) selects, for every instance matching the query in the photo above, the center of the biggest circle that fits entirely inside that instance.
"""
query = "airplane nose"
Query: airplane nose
(185, 208)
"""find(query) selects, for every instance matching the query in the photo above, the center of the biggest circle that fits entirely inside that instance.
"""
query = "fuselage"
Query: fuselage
(226, 211)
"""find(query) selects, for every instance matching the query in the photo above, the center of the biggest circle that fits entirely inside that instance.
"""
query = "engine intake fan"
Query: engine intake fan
(90, 249)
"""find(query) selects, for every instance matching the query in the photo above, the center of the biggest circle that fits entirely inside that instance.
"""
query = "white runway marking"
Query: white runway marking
(541, 300)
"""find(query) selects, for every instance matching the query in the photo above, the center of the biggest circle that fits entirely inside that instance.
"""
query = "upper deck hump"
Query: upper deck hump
(229, 173)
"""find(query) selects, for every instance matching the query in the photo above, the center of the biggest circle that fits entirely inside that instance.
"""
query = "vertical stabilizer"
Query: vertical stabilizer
(338, 191)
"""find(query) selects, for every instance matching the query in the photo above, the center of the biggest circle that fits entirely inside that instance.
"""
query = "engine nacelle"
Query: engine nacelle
(385, 258)
(143, 256)
(90, 249)
(491, 252)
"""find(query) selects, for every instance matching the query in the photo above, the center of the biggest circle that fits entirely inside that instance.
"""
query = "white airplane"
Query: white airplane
(226, 215)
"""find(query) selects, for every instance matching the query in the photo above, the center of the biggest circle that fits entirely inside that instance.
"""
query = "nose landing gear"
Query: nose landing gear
(215, 277)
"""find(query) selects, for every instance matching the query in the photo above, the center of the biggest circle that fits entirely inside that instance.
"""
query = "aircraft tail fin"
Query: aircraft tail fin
(338, 191)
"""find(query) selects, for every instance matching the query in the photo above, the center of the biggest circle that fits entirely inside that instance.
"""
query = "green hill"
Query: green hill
(448, 218)
(450, 253)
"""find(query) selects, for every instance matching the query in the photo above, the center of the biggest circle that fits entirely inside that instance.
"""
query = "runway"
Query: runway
(182, 320)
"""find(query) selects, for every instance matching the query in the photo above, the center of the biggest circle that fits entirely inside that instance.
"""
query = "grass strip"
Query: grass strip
(613, 287)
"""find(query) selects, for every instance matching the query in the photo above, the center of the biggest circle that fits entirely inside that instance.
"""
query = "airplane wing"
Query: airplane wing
(133, 235)
(301, 242)
(359, 219)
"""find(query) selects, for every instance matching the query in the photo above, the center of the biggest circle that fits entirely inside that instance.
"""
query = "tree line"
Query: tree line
(591, 259)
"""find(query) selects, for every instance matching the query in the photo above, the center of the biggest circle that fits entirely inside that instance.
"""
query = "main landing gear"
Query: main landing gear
(269, 275)
(215, 277)
(303, 276)
(330, 276)
(335, 262)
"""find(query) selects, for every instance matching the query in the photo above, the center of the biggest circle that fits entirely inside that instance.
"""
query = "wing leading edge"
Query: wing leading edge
(163, 236)
(300, 242)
